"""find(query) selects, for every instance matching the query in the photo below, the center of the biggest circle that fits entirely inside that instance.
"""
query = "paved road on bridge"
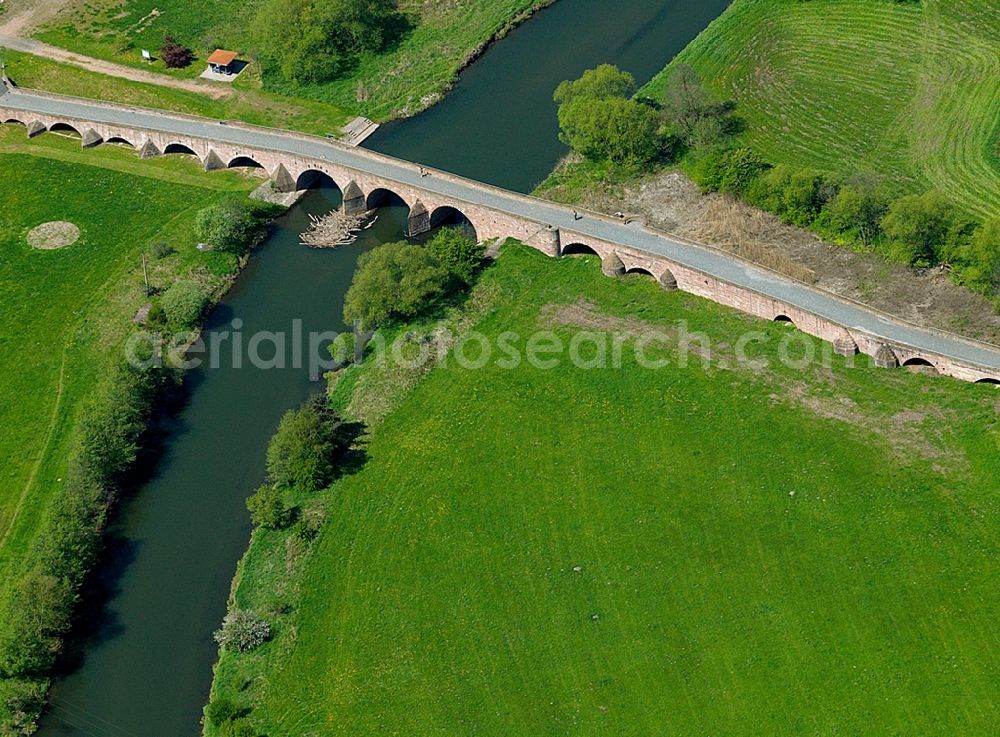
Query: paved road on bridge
(709, 261)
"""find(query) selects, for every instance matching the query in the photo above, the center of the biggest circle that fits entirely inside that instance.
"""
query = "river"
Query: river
(146, 654)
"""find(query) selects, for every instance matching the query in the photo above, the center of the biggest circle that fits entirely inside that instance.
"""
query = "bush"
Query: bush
(395, 281)
(983, 258)
(267, 509)
(234, 225)
(243, 631)
(303, 452)
(238, 728)
(459, 254)
(794, 195)
(919, 227)
(221, 710)
(161, 250)
(856, 211)
(729, 170)
(175, 55)
(184, 302)
(21, 703)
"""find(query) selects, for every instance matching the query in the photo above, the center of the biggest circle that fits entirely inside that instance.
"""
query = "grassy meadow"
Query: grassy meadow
(402, 81)
(67, 311)
(253, 106)
(635, 551)
(904, 91)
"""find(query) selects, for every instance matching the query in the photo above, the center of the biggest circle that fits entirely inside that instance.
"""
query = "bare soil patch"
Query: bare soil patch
(50, 236)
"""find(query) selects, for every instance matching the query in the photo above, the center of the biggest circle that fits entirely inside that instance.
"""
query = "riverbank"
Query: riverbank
(414, 609)
(410, 76)
(68, 315)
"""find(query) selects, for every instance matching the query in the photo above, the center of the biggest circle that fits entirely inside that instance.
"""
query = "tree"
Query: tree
(612, 129)
(311, 41)
(303, 452)
(606, 81)
(394, 281)
(243, 631)
(267, 508)
(919, 226)
(459, 254)
(233, 225)
(175, 55)
(691, 113)
(598, 120)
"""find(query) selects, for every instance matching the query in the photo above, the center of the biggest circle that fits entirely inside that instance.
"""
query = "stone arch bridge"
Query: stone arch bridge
(367, 179)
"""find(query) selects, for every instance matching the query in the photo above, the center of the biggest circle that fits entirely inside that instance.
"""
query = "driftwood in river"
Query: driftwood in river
(333, 229)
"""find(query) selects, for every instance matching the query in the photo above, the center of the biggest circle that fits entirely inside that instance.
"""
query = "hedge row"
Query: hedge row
(916, 229)
(41, 605)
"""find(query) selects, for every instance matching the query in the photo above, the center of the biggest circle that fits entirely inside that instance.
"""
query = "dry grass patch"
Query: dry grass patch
(53, 235)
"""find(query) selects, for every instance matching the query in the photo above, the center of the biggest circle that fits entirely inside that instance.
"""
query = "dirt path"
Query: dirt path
(24, 15)
(111, 69)
(21, 18)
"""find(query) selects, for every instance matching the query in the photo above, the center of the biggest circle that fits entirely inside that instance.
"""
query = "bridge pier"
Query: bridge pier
(419, 221)
(213, 162)
(668, 281)
(36, 128)
(845, 346)
(90, 138)
(282, 181)
(547, 241)
(355, 202)
(885, 358)
(148, 150)
(612, 265)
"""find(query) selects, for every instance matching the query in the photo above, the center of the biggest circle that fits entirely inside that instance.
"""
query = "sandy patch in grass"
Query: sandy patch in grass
(50, 236)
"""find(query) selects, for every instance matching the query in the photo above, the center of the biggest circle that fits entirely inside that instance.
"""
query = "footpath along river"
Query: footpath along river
(145, 658)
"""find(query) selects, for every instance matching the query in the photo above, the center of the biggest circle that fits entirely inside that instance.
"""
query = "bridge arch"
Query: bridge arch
(244, 162)
(579, 249)
(992, 382)
(315, 179)
(782, 317)
(919, 361)
(64, 128)
(382, 197)
(120, 141)
(448, 216)
(15, 120)
(178, 148)
(639, 271)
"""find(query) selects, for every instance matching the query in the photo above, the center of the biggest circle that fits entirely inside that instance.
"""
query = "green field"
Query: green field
(400, 82)
(905, 91)
(66, 312)
(672, 551)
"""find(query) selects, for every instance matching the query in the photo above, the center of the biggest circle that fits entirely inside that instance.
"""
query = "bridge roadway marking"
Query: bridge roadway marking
(712, 263)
